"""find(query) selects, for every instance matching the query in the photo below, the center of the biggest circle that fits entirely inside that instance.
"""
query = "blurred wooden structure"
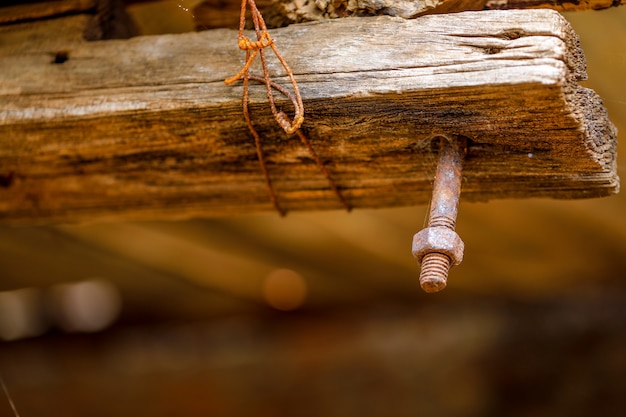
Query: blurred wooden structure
(145, 128)
(454, 360)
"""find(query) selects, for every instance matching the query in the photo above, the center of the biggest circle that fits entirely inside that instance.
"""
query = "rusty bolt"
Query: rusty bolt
(438, 247)
(438, 239)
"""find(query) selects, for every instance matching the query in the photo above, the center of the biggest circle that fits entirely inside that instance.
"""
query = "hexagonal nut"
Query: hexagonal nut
(438, 239)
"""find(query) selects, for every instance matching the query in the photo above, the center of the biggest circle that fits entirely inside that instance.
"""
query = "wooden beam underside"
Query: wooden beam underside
(146, 128)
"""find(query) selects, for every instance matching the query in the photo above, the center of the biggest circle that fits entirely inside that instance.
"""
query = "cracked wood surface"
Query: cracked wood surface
(145, 127)
(283, 12)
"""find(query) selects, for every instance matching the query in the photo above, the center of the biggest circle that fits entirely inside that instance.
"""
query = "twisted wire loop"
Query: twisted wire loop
(254, 48)
(289, 125)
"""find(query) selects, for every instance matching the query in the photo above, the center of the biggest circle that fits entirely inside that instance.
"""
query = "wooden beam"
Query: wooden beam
(282, 12)
(564, 6)
(146, 127)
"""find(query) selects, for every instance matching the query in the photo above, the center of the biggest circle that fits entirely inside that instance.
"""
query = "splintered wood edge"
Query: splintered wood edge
(146, 128)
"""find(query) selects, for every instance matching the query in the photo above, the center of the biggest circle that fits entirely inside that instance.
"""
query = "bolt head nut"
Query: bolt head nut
(438, 239)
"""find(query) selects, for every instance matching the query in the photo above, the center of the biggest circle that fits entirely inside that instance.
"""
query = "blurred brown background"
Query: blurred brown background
(321, 313)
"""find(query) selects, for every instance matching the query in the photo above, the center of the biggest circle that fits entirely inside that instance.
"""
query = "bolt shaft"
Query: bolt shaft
(443, 210)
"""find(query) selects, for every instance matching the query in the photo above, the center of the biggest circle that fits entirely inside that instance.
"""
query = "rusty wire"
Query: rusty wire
(290, 126)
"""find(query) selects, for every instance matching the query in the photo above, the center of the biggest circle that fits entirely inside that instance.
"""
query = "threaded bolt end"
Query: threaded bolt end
(434, 272)
(442, 221)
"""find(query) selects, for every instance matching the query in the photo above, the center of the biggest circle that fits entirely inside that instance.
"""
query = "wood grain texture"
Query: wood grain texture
(291, 11)
(568, 5)
(146, 128)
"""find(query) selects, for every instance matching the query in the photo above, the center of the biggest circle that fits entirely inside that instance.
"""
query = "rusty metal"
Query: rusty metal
(438, 247)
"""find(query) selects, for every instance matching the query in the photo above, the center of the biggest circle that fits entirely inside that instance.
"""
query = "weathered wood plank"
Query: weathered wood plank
(146, 128)
(565, 6)
(290, 11)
